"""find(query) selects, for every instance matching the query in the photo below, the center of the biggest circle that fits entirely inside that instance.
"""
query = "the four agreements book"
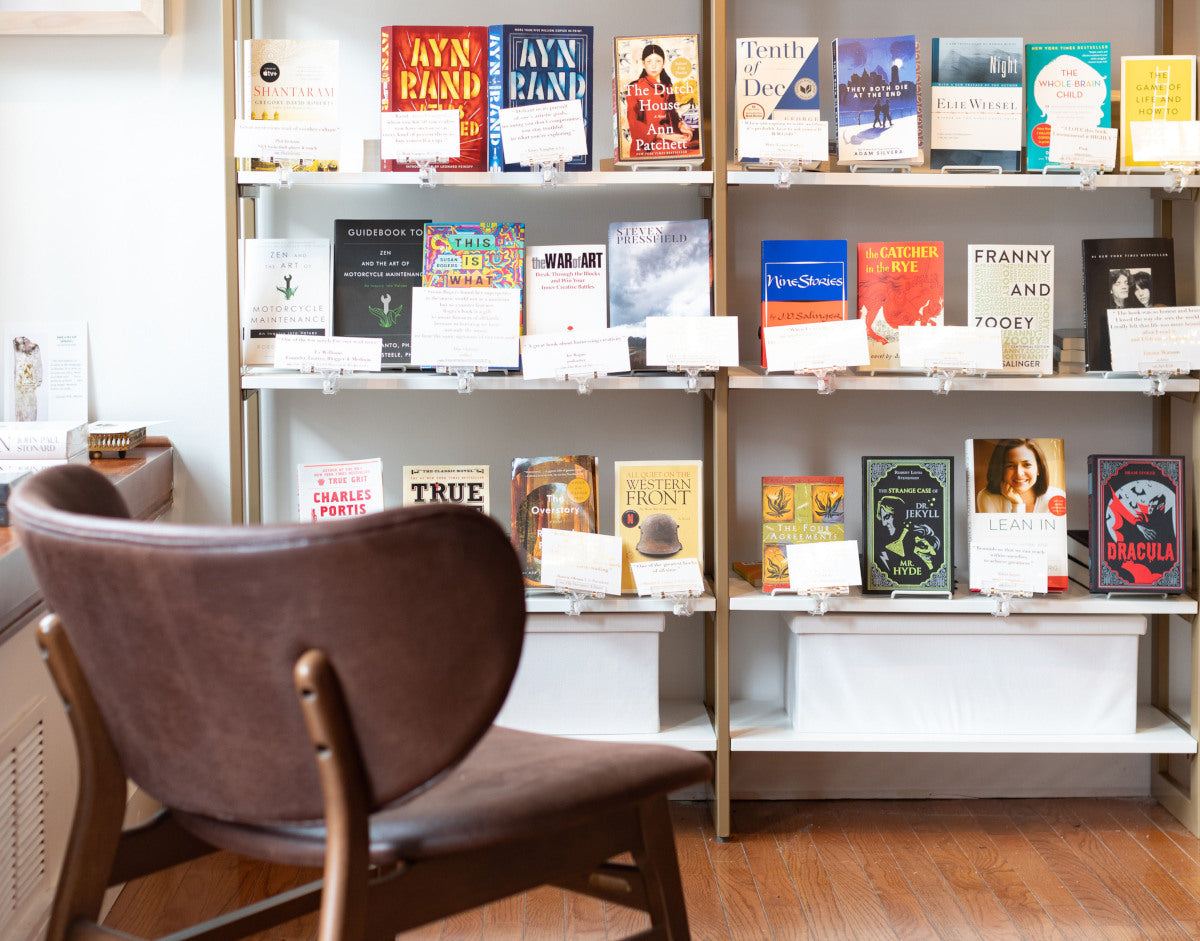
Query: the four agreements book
(908, 524)
(878, 99)
(659, 513)
(976, 118)
(1011, 287)
(285, 289)
(797, 510)
(1068, 84)
(803, 281)
(776, 78)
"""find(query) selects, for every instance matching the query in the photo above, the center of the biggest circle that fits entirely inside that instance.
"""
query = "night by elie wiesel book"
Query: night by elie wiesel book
(461, 484)
(1066, 83)
(900, 284)
(656, 99)
(660, 513)
(878, 99)
(1011, 287)
(285, 290)
(797, 510)
(803, 281)
(550, 493)
(776, 79)
(977, 103)
(291, 80)
(376, 264)
(566, 288)
(1122, 273)
(1135, 515)
(1154, 88)
(908, 524)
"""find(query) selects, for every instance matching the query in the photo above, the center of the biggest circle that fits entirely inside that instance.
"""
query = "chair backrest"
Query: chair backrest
(188, 636)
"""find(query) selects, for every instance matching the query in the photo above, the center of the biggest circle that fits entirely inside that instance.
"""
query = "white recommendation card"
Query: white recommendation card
(800, 347)
(477, 327)
(979, 348)
(564, 355)
(543, 133)
(45, 370)
(691, 341)
(581, 561)
(802, 141)
(813, 566)
(663, 577)
(286, 140)
(1155, 338)
(1008, 567)
(357, 354)
(1166, 141)
(339, 491)
(1083, 146)
(414, 136)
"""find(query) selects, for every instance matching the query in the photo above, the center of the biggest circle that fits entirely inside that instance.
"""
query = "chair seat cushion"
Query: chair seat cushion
(511, 784)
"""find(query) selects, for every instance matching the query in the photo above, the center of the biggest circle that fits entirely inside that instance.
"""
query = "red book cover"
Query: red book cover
(900, 284)
(431, 68)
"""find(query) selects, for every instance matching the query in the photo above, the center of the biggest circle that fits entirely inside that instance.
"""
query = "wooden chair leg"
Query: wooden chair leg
(659, 865)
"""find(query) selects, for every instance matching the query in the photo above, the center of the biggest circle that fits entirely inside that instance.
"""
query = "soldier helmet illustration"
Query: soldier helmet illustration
(660, 536)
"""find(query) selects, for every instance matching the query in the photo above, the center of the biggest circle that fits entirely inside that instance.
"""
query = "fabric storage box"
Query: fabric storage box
(963, 674)
(595, 674)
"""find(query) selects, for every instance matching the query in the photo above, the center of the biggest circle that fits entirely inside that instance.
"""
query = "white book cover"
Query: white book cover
(26, 465)
(776, 79)
(286, 285)
(46, 371)
(462, 484)
(291, 80)
(42, 440)
(1012, 287)
(566, 288)
(340, 490)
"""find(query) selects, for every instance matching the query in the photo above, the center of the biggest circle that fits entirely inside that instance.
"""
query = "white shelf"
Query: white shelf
(539, 601)
(565, 180)
(682, 723)
(763, 726)
(256, 377)
(932, 179)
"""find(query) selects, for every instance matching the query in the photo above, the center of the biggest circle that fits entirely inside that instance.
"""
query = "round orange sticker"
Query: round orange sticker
(1040, 135)
(579, 490)
(1058, 506)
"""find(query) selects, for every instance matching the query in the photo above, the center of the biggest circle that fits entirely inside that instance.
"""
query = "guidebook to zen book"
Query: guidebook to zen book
(976, 118)
(1012, 287)
(656, 99)
(660, 513)
(797, 510)
(908, 524)
(1154, 88)
(285, 290)
(878, 99)
(550, 493)
(291, 80)
(1068, 84)
(900, 284)
(776, 79)
(803, 281)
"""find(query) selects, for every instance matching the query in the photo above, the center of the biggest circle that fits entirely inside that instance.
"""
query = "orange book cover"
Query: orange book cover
(900, 284)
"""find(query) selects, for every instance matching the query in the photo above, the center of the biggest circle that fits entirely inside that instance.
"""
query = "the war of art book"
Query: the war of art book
(1011, 287)
(1068, 84)
(438, 68)
(900, 284)
(1129, 273)
(657, 107)
(777, 79)
(660, 513)
(285, 290)
(976, 118)
(461, 484)
(908, 524)
(798, 510)
(550, 493)
(291, 80)
(566, 288)
(1137, 524)
(1154, 88)
(878, 99)
(803, 281)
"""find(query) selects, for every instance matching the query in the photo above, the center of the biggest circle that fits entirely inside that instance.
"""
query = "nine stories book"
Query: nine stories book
(291, 80)
(566, 288)
(659, 513)
(976, 118)
(285, 290)
(878, 99)
(461, 484)
(1011, 287)
(657, 105)
(803, 281)
(776, 78)
(797, 510)
(900, 284)
(1068, 84)
(908, 524)
(1122, 273)
(1154, 88)
(550, 493)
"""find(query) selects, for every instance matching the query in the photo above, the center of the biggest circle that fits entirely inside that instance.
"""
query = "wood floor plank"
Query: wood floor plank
(780, 900)
(621, 921)
(545, 914)
(860, 905)
(464, 926)
(584, 918)
(821, 908)
(504, 919)
(744, 911)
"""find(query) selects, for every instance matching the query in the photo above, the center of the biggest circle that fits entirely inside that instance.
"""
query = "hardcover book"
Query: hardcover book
(908, 524)
(797, 510)
(900, 284)
(656, 99)
(8, 480)
(1017, 489)
(291, 80)
(474, 255)
(1154, 88)
(776, 79)
(338, 491)
(1135, 514)
(285, 290)
(803, 281)
(376, 264)
(878, 99)
(978, 104)
(659, 269)
(1012, 287)
(1122, 273)
(434, 68)
(1066, 83)
(566, 288)
(550, 493)
(462, 484)
(660, 513)
(42, 440)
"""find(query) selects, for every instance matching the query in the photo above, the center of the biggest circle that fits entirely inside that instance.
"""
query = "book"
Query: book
(462, 484)
(285, 290)
(8, 480)
(539, 64)
(1065, 83)
(775, 79)
(338, 490)
(1070, 338)
(659, 513)
(550, 493)
(908, 524)
(1122, 273)
(474, 255)
(1079, 546)
(33, 465)
(291, 80)
(120, 437)
(900, 284)
(798, 510)
(660, 269)
(1136, 524)
(878, 99)
(376, 264)
(1017, 489)
(42, 440)
(434, 68)
(1154, 88)
(657, 105)
(977, 113)
(750, 571)
(1012, 287)
(803, 281)
(566, 288)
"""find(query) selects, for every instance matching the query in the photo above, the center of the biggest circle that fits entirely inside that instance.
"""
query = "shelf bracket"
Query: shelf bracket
(464, 374)
(783, 173)
(693, 375)
(1004, 600)
(1177, 175)
(576, 598)
(329, 378)
(683, 603)
(944, 376)
(283, 177)
(1158, 376)
(1087, 177)
(582, 380)
(824, 376)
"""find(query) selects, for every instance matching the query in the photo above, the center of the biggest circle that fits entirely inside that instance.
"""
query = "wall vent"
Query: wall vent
(22, 814)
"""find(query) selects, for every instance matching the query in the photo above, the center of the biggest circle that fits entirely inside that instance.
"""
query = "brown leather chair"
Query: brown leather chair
(323, 695)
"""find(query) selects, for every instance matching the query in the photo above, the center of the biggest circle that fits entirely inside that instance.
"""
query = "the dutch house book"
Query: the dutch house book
(878, 98)
(1068, 84)
(285, 290)
(776, 78)
(900, 284)
(659, 513)
(803, 281)
(657, 106)
(978, 103)
(461, 484)
(798, 510)
(1154, 88)
(1122, 273)
(550, 493)
(908, 524)
(291, 80)
(566, 288)
(1011, 287)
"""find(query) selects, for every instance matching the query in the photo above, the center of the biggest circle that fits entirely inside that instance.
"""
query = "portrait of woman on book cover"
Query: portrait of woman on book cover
(1020, 476)
(656, 128)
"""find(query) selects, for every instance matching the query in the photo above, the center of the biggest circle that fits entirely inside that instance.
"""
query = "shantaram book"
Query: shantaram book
(803, 281)
(1137, 525)
(338, 491)
(878, 99)
(539, 64)
(976, 118)
(656, 99)
(285, 290)
(1017, 489)
(900, 284)
(291, 80)
(1154, 88)
(566, 288)
(659, 513)
(776, 79)
(376, 264)
(550, 493)
(908, 524)
(1068, 84)
(657, 269)
(437, 68)
(797, 510)
(1011, 287)
(1122, 273)
(461, 484)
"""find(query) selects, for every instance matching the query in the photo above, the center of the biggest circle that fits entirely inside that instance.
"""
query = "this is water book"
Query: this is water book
(657, 106)
(341, 490)
(285, 290)
(777, 78)
(1122, 273)
(566, 288)
(376, 264)
(657, 269)
(977, 113)
(460, 484)
(438, 68)
(1154, 88)
(550, 493)
(797, 510)
(291, 80)
(1011, 287)
(1017, 489)
(1137, 524)
(1068, 84)
(538, 64)
(878, 99)
(908, 524)
(900, 284)
(659, 513)
(803, 281)
(474, 255)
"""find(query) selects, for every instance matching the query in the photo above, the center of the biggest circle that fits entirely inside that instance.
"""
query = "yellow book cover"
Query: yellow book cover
(660, 513)
(797, 510)
(1154, 88)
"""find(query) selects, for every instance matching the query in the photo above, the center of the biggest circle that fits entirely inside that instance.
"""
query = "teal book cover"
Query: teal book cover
(1068, 84)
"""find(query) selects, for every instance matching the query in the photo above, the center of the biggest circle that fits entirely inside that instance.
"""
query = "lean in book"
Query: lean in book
(656, 99)
(1118, 274)
(461, 484)
(976, 118)
(803, 281)
(1011, 287)
(291, 80)
(878, 99)
(900, 284)
(659, 513)
(550, 493)
(908, 524)
(285, 290)
(777, 78)
(1066, 83)
(566, 288)
(797, 510)
(1154, 88)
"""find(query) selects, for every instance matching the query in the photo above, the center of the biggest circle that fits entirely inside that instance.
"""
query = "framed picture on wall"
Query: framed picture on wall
(81, 17)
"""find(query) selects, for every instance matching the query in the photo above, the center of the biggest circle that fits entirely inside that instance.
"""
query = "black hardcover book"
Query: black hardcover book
(376, 264)
(908, 524)
(1134, 272)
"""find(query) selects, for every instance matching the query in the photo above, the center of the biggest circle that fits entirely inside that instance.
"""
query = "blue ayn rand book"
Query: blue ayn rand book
(1068, 83)
(978, 102)
(878, 99)
(803, 281)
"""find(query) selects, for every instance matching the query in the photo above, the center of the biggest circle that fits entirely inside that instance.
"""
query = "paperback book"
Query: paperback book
(657, 105)
(976, 118)
(1011, 287)
(900, 284)
(803, 281)
(461, 484)
(908, 524)
(474, 255)
(1122, 273)
(660, 513)
(1068, 84)
(878, 99)
(1154, 88)
(550, 493)
(777, 79)
(285, 290)
(566, 288)
(797, 510)
(42, 440)
(291, 80)
(338, 491)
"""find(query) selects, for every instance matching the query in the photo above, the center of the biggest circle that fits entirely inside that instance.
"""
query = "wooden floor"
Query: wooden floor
(985, 869)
